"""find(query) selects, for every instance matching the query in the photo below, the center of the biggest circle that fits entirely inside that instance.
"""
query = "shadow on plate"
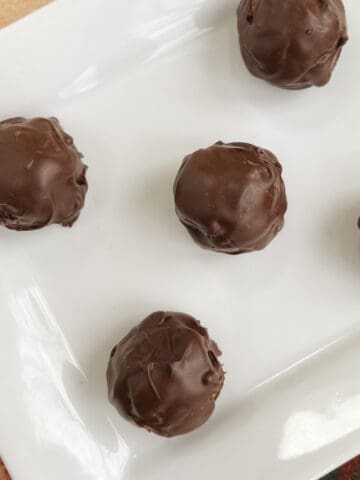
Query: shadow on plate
(88, 393)
(340, 236)
(155, 205)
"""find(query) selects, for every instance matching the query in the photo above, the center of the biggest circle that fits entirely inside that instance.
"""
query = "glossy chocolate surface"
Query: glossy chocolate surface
(165, 375)
(231, 197)
(292, 44)
(42, 177)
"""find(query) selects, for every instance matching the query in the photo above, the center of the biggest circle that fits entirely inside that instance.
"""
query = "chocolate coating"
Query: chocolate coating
(164, 375)
(42, 177)
(292, 44)
(231, 197)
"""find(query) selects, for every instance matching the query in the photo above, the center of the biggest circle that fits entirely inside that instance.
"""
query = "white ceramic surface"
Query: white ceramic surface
(139, 84)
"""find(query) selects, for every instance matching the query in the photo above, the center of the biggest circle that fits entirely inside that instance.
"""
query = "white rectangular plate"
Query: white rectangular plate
(140, 84)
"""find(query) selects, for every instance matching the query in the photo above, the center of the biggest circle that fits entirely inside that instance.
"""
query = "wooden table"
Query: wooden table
(4, 474)
(11, 10)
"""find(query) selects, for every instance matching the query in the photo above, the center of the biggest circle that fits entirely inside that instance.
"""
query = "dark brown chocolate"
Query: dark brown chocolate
(165, 375)
(42, 177)
(292, 44)
(231, 197)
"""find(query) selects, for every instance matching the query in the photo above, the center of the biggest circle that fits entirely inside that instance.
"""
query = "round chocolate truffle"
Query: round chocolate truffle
(165, 375)
(42, 177)
(231, 197)
(294, 43)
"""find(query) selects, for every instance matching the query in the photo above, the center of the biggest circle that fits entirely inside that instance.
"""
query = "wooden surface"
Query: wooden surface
(4, 474)
(11, 10)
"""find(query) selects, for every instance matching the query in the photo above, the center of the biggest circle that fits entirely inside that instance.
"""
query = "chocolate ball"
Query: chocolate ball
(294, 43)
(231, 197)
(165, 375)
(42, 177)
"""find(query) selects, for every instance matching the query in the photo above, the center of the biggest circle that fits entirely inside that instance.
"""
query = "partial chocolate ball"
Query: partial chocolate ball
(231, 197)
(42, 177)
(292, 44)
(165, 375)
